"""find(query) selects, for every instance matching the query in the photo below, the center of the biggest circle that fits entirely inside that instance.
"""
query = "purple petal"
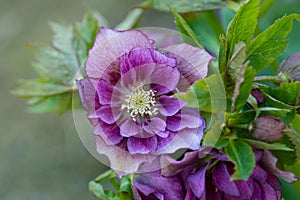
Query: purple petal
(269, 163)
(197, 181)
(130, 128)
(122, 162)
(141, 145)
(257, 193)
(164, 79)
(245, 188)
(185, 119)
(163, 134)
(163, 188)
(186, 138)
(192, 63)
(110, 45)
(144, 56)
(154, 126)
(110, 133)
(221, 179)
(106, 114)
(259, 173)
(87, 93)
(268, 191)
(169, 105)
(105, 91)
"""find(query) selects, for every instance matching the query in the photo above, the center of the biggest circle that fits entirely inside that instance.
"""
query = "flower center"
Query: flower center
(140, 103)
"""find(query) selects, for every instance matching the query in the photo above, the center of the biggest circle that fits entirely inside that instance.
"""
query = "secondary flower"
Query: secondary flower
(128, 95)
(291, 67)
(194, 178)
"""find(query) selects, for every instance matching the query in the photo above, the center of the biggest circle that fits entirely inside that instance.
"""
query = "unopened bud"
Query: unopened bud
(268, 128)
(290, 67)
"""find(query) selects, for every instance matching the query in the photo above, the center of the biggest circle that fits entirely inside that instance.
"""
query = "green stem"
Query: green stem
(214, 22)
(273, 79)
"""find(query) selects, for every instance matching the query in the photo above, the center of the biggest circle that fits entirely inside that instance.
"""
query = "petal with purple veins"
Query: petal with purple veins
(130, 128)
(164, 79)
(197, 181)
(154, 126)
(110, 45)
(141, 145)
(170, 106)
(221, 179)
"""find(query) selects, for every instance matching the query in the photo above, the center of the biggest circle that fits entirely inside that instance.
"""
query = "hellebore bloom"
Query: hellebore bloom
(268, 128)
(194, 179)
(128, 95)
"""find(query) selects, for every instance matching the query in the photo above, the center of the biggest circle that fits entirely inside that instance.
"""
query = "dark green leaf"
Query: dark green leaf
(268, 45)
(241, 154)
(242, 26)
(188, 5)
(278, 112)
(263, 145)
(286, 157)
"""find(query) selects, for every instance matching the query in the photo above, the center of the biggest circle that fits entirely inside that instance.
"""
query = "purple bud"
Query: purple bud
(291, 67)
(268, 128)
(258, 95)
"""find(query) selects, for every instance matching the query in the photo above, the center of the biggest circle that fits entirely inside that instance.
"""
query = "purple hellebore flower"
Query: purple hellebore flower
(193, 179)
(128, 95)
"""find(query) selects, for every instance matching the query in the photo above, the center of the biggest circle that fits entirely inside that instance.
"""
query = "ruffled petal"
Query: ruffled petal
(141, 145)
(130, 128)
(192, 63)
(106, 114)
(163, 188)
(109, 46)
(197, 181)
(154, 126)
(122, 162)
(164, 79)
(110, 133)
(221, 179)
(269, 163)
(170, 106)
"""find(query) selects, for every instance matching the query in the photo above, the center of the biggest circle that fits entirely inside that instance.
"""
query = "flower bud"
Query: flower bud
(258, 95)
(290, 67)
(268, 128)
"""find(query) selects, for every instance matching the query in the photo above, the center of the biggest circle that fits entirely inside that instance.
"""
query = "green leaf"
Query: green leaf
(245, 117)
(188, 5)
(125, 192)
(237, 61)
(57, 65)
(242, 88)
(207, 94)
(213, 134)
(287, 92)
(40, 87)
(263, 145)
(278, 112)
(268, 45)
(294, 137)
(185, 29)
(241, 154)
(286, 157)
(242, 26)
(131, 20)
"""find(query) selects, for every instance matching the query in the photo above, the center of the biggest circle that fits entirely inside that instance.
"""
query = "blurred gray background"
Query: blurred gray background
(41, 156)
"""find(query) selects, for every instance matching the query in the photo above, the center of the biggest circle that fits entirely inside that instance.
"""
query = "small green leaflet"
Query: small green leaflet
(241, 154)
(268, 45)
(123, 188)
(213, 134)
(271, 146)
